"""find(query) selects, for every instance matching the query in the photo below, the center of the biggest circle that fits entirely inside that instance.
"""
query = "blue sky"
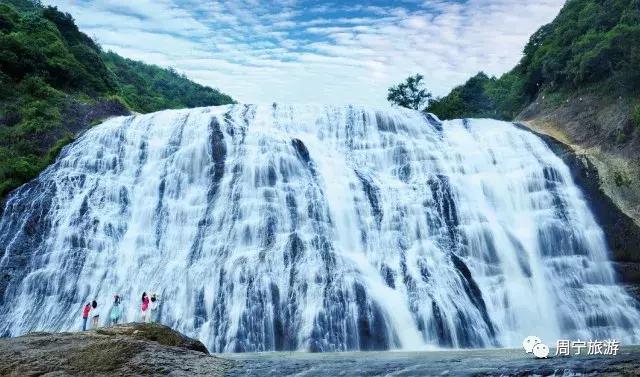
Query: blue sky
(297, 51)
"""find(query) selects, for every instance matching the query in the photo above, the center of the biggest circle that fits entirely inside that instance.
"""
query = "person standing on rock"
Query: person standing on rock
(95, 320)
(116, 311)
(145, 307)
(85, 315)
(153, 308)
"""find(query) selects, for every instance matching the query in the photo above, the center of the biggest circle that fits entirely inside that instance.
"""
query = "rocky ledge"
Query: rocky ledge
(124, 350)
(621, 231)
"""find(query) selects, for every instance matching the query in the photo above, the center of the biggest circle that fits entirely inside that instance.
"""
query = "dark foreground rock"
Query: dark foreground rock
(124, 350)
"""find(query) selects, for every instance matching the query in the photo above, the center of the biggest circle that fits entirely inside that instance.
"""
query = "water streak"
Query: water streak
(313, 228)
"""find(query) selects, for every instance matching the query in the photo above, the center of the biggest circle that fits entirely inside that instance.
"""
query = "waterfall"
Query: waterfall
(320, 228)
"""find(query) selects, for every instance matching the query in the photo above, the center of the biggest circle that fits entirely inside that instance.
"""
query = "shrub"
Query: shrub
(621, 137)
(621, 179)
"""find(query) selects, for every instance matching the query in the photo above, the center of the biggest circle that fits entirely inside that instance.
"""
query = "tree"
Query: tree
(55, 80)
(592, 46)
(411, 93)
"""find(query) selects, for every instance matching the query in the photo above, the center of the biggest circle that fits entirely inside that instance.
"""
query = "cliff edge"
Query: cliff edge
(596, 137)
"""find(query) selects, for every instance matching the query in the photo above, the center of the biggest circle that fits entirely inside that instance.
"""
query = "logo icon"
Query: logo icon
(541, 351)
(533, 344)
(529, 342)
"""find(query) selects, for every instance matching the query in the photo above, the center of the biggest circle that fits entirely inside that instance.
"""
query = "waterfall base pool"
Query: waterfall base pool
(488, 362)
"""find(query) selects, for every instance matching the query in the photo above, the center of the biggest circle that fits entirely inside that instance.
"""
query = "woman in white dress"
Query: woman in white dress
(153, 308)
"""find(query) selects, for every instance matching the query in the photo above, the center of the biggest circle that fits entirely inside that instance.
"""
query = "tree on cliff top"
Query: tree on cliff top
(411, 93)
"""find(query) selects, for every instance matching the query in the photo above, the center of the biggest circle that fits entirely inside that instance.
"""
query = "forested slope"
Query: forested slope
(592, 46)
(579, 83)
(55, 81)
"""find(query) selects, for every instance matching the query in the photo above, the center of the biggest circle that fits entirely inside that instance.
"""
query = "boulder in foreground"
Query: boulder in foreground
(129, 349)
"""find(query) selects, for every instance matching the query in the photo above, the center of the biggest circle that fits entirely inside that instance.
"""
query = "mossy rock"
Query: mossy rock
(103, 357)
(157, 333)
(131, 349)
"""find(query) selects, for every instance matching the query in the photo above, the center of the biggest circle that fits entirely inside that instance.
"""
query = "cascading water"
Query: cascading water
(313, 228)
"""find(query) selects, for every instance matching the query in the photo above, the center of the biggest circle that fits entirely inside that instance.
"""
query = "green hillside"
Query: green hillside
(592, 45)
(147, 88)
(55, 81)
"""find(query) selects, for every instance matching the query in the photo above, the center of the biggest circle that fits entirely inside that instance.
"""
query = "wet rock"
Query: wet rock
(496, 362)
(125, 350)
(621, 231)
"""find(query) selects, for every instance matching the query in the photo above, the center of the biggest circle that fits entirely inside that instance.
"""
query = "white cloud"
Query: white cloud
(265, 51)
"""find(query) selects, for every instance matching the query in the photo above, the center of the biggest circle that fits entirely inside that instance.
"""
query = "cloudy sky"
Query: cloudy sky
(295, 51)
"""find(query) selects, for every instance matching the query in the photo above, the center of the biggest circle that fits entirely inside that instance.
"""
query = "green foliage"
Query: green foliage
(16, 168)
(481, 97)
(410, 94)
(24, 5)
(117, 98)
(57, 147)
(621, 179)
(50, 71)
(590, 42)
(9, 18)
(468, 100)
(148, 88)
(621, 137)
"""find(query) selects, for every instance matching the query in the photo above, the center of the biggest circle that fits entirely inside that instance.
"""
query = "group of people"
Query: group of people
(148, 308)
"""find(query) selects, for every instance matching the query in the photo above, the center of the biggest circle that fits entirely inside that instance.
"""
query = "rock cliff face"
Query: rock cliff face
(602, 131)
(598, 140)
(124, 350)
